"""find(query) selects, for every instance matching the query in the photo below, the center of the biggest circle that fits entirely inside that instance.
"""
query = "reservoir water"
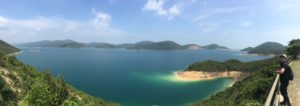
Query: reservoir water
(133, 77)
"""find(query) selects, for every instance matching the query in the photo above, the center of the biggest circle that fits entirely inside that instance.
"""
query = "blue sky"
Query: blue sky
(233, 23)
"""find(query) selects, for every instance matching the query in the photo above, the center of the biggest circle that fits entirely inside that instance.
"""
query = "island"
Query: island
(214, 46)
(266, 48)
(142, 45)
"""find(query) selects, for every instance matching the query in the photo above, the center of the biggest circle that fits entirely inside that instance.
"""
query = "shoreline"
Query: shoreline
(15, 53)
(202, 75)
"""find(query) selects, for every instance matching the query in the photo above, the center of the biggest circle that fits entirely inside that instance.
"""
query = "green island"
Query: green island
(24, 85)
(145, 45)
(266, 48)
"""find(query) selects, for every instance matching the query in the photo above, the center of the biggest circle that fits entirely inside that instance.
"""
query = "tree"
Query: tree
(294, 48)
(294, 41)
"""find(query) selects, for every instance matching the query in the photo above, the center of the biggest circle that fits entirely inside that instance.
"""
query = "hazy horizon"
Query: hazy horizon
(142, 41)
(234, 24)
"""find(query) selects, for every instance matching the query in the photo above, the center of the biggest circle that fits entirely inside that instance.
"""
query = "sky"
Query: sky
(233, 23)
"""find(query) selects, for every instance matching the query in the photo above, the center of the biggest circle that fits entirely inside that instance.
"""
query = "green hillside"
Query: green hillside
(7, 48)
(55, 43)
(164, 45)
(236, 65)
(251, 91)
(147, 45)
(214, 46)
(247, 49)
(268, 48)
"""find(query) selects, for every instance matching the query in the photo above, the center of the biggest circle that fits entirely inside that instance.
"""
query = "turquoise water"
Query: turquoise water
(133, 77)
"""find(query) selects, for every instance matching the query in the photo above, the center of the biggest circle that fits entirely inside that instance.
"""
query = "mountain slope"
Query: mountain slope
(7, 48)
(251, 91)
(268, 48)
(164, 45)
(147, 45)
(55, 43)
(214, 46)
(247, 49)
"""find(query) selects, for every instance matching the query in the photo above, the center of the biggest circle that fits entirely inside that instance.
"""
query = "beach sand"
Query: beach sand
(201, 75)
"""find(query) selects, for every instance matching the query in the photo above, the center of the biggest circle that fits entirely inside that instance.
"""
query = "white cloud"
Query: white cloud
(158, 7)
(101, 19)
(3, 21)
(174, 10)
(155, 5)
(97, 28)
(217, 11)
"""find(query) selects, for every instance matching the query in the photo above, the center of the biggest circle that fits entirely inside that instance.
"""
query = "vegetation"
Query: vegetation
(7, 96)
(73, 45)
(163, 45)
(214, 46)
(192, 46)
(294, 48)
(48, 43)
(26, 85)
(236, 65)
(247, 49)
(268, 48)
(7, 48)
(251, 91)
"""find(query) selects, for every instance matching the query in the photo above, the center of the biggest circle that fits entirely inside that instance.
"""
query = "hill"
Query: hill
(268, 48)
(7, 48)
(192, 47)
(164, 45)
(55, 43)
(73, 45)
(247, 49)
(101, 45)
(214, 46)
(147, 45)
(232, 64)
(251, 91)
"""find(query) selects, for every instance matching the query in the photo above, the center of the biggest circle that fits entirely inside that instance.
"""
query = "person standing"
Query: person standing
(284, 80)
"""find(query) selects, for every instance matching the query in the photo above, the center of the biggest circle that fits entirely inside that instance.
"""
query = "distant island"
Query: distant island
(24, 85)
(214, 46)
(146, 45)
(266, 48)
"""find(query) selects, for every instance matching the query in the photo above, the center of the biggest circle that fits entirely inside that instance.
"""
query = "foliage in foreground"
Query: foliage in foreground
(294, 48)
(231, 65)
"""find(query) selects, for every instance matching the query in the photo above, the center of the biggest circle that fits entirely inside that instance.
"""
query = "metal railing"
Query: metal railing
(274, 94)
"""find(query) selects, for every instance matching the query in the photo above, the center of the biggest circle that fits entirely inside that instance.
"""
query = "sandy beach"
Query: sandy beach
(201, 75)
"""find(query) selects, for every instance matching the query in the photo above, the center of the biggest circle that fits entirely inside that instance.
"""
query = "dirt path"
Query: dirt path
(294, 87)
